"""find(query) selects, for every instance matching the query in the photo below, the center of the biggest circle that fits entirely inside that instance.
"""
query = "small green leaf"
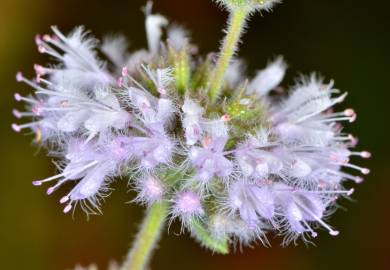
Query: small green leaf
(203, 235)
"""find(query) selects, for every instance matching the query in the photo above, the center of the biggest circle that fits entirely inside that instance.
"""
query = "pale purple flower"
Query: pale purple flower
(150, 109)
(255, 158)
(268, 78)
(187, 205)
(152, 150)
(192, 121)
(323, 165)
(93, 163)
(209, 160)
(302, 207)
(77, 56)
(253, 202)
(300, 117)
(150, 189)
(63, 108)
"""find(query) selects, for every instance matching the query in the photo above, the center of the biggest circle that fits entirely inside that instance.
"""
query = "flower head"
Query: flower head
(230, 158)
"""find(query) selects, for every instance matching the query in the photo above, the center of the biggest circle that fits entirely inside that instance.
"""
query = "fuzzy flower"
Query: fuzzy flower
(304, 116)
(268, 78)
(64, 108)
(192, 121)
(150, 189)
(300, 208)
(253, 202)
(255, 158)
(210, 160)
(77, 59)
(187, 205)
(91, 165)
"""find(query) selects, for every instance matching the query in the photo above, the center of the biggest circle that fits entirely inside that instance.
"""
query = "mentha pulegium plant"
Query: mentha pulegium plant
(232, 158)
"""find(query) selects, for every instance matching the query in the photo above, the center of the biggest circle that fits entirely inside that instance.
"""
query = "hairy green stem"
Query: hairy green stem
(234, 31)
(146, 240)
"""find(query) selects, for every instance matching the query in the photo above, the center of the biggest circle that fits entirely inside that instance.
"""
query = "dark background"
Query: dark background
(345, 40)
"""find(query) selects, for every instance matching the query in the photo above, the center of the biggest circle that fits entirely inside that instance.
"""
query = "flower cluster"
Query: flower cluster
(254, 161)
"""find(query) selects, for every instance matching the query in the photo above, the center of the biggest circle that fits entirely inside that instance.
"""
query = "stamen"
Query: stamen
(359, 180)
(348, 192)
(343, 138)
(352, 166)
(356, 179)
(21, 78)
(125, 71)
(38, 39)
(16, 113)
(41, 80)
(365, 154)
(50, 190)
(55, 93)
(18, 128)
(67, 208)
(313, 233)
(39, 69)
(349, 112)
(354, 140)
(295, 190)
(19, 97)
(46, 38)
(39, 182)
(45, 48)
(41, 49)
(38, 110)
(326, 226)
(64, 199)
(333, 102)
(334, 119)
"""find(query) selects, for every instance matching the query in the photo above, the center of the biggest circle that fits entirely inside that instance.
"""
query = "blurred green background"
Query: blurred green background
(346, 40)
